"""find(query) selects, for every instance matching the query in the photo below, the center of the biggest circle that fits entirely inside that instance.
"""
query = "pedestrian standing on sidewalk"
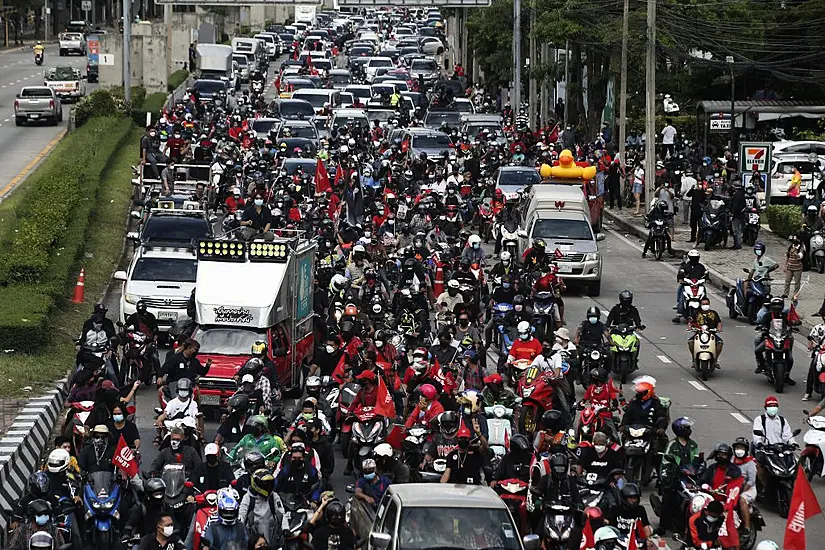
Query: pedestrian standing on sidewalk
(737, 209)
(687, 184)
(613, 181)
(638, 184)
(793, 266)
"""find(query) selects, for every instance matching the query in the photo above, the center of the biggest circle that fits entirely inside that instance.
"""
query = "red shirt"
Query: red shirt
(525, 349)
(233, 205)
(424, 417)
(365, 398)
(175, 146)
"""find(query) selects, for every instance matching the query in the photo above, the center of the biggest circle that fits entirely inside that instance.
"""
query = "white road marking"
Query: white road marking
(739, 393)
(700, 406)
(664, 359)
(697, 385)
(741, 418)
(6, 120)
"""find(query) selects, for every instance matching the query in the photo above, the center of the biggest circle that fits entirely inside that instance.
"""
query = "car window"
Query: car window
(388, 525)
(380, 63)
(518, 177)
(549, 228)
(227, 341)
(165, 269)
(36, 92)
(422, 528)
(431, 141)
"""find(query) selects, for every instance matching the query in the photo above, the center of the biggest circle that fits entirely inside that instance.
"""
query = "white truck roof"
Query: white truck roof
(238, 294)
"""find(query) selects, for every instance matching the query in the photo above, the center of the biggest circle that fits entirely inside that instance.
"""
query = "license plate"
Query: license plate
(753, 218)
(35, 116)
(565, 268)
(168, 315)
(210, 400)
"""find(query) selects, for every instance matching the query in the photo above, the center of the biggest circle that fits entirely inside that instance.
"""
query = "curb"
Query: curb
(22, 445)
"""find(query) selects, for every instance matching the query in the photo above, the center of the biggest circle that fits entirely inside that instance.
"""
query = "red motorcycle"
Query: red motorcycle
(343, 418)
(536, 389)
(593, 418)
(513, 492)
(136, 363)
(206, 513)
(486, 217)
(75, 425)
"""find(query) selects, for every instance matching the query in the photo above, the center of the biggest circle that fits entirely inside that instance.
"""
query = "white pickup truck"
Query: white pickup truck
(72, 42)
(67, 82)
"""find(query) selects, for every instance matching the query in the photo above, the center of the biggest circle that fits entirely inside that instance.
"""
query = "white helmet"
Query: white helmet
(58, 461)
(505, 256)
(524, 330)
(693, 253)
(453, 283)
(351, 142)
(383, 449)
(338, 283)
(605, 533)
(817, 333)
(359, 248)
(767, 545)
(474, 239)
(698, 503)
(344, 149)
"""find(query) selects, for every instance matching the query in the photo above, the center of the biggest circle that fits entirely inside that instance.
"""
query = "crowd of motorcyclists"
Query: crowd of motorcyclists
(472, 349)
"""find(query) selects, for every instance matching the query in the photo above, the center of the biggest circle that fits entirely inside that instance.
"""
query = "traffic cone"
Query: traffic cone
(80, 288)
(438, 282)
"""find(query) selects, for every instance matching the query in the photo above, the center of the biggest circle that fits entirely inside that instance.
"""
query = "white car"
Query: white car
(788, 147)
(374, 63)
(431, 45)
(782, 170)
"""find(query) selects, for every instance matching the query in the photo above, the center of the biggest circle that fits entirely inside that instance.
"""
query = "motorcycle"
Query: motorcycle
(637, 443)
(412, 454)
(704, 350)
(485, 219)
(816, 248)
(136, 364)
(591, 420)
(590, 358)
(740, 305)
(513, 492)
(693, 291)
(544, 316)
(624, 344)
(535, 388)
(38, 58)
(658, 235)
(751, 230)
(557, 525)
(257, 87)
(596, 492)
(174, 496)
(778, 350)
(343, 417)
(502, 332)
(813, 455)
(499, 430)
(101, 497)
(297, 512)
(714, 224)
(367, 432)
(75, 425)
(205, 514)
(780, 463)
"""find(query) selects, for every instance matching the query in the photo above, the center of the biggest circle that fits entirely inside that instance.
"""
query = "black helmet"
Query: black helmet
(335, 514)
(255, 366)
(626, 298)
(39, 507)
(253, 461)
(262, 482)
(520, 443)
(593, 311)
(140, 307)
(598, 375)
(559, 464)
(662, 205)
(239, 402)
(539, 244)
(155, 488)
(631, 490)
(742, 442)
(682, 426)
(777, 304)
(551, 420)
(518, 300)
(722, 449)
(448, 423)
(39, 484)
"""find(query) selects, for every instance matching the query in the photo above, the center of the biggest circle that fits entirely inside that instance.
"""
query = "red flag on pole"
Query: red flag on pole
(728, 534)
(384, 404)
(631, 538)
(340, 368)
(321, 178)
(803, 506)
(339, 173)
(588, 541)
(124, 458)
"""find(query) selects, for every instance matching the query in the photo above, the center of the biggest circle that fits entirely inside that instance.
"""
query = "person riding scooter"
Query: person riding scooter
(691, 269)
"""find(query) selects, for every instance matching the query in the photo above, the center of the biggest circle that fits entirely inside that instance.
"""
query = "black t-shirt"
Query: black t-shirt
(129, 432)
(177, 366)
(231, 430)
(624, 518)
(598, 467)
(333, 538)
(259, 220)
(327, 362)
(465, 467)
(150, 542)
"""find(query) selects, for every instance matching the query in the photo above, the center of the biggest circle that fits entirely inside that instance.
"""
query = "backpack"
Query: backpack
(781, 423)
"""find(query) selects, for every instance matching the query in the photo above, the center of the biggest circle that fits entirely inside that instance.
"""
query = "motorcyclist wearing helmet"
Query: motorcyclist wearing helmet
(232, 423)
(625, 312)
(447, 303)
(473, 252)
(329, 523)
(427, 409)
(466, 463)
(507, 265)
(647, 409)
(516, 463)
(142, 517)
(39, 519)
(607, 538)
(704, 525)
(625, 515)
(177, 453)
(271, 446)
(266, 369)
(536, 256)
(723, 471)
(777, 312)
(591, 333)
(681, 453)
(691, 268)
(389, 465)
(761, 268)
(143, 320)
(357, 266)
(557, 485)
(526, 347)
(253, 383)
(659, 212)
(298, 476)
(471, 413)
(213, 473)
(747, 464)
(261, 510)
(602, 393)
(227, 531)
(38, 488)
(495, 393)
(444, 441)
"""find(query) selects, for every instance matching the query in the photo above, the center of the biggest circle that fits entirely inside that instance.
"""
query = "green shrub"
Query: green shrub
(100, 103)
(784, 220)
(152, 104)
(24, 312)
(176, 79)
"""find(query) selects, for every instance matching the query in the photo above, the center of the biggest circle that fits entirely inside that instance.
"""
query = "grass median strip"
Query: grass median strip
(103, 245)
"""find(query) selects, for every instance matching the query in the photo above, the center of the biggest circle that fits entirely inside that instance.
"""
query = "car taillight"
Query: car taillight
(16, 104)
(51, 104)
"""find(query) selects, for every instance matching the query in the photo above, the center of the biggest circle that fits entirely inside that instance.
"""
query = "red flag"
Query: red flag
(803, 506)
(384, 405)
(588, 541)
(124, 458)
(340, 368)
(631, 539)
(321, 178)
(793, 316)
(558, 254)
(332, 209)
(339, 173)
(728, 534)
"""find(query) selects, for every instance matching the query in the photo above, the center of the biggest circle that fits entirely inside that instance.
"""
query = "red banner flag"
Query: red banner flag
(728, 534)
(803, 506)
(321, 178)
(339, 174)
(384, 404)
(340, 369)
(588, 541)
(631, 538)
(124, 458)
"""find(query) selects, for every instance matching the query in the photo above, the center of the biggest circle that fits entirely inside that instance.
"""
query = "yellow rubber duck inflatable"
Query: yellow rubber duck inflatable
(566, 168)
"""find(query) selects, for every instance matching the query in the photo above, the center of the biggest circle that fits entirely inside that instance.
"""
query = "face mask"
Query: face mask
(379, 344)
(41, 520)
(740, 453)
(475, 246)
(307, 416)
(467, 410)
(167, 531)
(212, 460)
(464, 322)
(183, 394)
(772, 411)
(118, 417)
(259, 202)
(463, 444)
(297, 462)
(175, 444)
(600, 448)
(705, 307)
(330, 349)
(524, 335)
(177, 136)
(505, 286)
(758, 253)
(370, 476)
(723, 459)
(592, 320)
(547, 352)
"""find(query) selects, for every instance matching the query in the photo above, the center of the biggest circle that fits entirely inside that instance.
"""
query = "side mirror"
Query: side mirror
(279, 352)
(136, 214)
(158, 411)
(213, 219)
(806, 412)
(796, 432)
(120, 275)
(350, 488)
(600, 236)
(522, 233)
(746, 270)
(531, 542)
(188, 484)
(760, 433)
(383, 540)
(133, 236)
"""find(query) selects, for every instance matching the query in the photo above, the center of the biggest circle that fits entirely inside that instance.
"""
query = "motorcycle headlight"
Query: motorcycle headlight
(375, 429)
(704, 338)
(499, 411)
(595, 355)
(527, 391)
(358, 429)
(818, 240)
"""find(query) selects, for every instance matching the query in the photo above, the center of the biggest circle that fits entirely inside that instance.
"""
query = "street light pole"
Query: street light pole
(650, 105)
(127, 50)
(516, 99)
(729, 59)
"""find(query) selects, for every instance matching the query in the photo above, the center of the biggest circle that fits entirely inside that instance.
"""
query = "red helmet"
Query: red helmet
(427, 391)
(594, 513)
(499, 193)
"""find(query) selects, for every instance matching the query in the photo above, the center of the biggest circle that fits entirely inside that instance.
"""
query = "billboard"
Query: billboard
(417, 3)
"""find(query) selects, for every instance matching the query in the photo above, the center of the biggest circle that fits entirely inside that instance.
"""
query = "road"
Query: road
(20, 146)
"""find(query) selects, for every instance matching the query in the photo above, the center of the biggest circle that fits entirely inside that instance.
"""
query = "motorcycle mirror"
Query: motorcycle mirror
(380, 540)
(678, 538)
(188, 484)
(806, 412)
(760, 433)
(600, 236)
(746, 270)
(796, 432)
(351, 488)
(158, 411)
(135, 214)
(531, 542)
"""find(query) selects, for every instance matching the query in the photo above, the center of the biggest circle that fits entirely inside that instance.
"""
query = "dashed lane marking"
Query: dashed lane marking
(664, 359)
(740, 417)
(697, 385)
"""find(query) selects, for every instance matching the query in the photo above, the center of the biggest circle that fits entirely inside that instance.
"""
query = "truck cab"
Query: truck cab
(253, 291)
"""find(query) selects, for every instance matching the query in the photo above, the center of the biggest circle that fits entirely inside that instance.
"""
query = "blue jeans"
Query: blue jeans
(737, 232)
(680, 299)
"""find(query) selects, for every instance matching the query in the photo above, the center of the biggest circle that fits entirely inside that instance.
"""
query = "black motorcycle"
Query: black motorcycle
(780, 461)
(714, 224)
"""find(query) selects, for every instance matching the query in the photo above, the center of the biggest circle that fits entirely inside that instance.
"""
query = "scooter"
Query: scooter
(174, 496)
(535, 388)
(205, 514)
(557, 524)
(714, 224)
(778, 352)
(544, 316)
(296, 516)
(101, 496)
(658, 232)
(591, 420)
(38, 58)
(639, 467)
(693, 291)
(624, 343)
(513, 492)
(344, 418)
(813, 455)
(740, 305)
(367, 432)
(136, 364)
(780, 462)
(704, 351)
(499, 430)
(75, 425)
(816, 248)
(752, 226)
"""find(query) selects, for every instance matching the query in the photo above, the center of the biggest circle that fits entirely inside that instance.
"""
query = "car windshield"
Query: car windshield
(380, 63)
(63, 73)
(209, 87)
(308, 166)
(363, 93)
(431, 141)
(322, 64)
(423, 65)
(294, 109)
(381, 115)
(518, 177)
(455, 528)
(341, 121)
(316, 100)
(307, 131)
(474, 129)
(263, 126)
(242, 60)
(227, 341)
(435, 118)
(174, 229)
(340, 78)
(550, 228)
(165, 269)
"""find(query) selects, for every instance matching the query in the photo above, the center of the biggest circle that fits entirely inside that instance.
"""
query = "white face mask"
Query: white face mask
(330, 350)
(740, 453)
(600, 448)
(705, 307)
(167, 531)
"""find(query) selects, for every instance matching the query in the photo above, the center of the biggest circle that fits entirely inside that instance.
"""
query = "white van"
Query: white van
(559, 214)
(317, 97)
(252, 48)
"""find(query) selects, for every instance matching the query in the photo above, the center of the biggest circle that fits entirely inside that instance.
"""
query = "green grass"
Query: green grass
(10, 211)
(103, 250)
(176, 79)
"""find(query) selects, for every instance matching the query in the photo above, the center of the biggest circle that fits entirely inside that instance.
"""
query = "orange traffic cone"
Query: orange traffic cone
(80, 288)
(438, 282)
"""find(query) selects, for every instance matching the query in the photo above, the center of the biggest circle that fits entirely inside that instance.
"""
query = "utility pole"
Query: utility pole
(515, 99)
(623, 88)
(127, 50)
(167, 18)
(650, 105)
(567, 83)
(545, 87)
(532, 90)
(729, 59)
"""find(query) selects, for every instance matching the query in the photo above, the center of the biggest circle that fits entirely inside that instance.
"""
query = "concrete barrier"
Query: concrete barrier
(23, 444)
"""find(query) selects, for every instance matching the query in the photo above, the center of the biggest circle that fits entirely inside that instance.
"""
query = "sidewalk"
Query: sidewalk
(725, 266)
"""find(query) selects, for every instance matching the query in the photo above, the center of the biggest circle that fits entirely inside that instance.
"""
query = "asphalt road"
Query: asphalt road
(19, 146)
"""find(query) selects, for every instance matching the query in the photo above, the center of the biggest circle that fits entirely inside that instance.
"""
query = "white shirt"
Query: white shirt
(639, 175)
(176, 406)
(668, 134)
(775, 430)
(688, 183)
